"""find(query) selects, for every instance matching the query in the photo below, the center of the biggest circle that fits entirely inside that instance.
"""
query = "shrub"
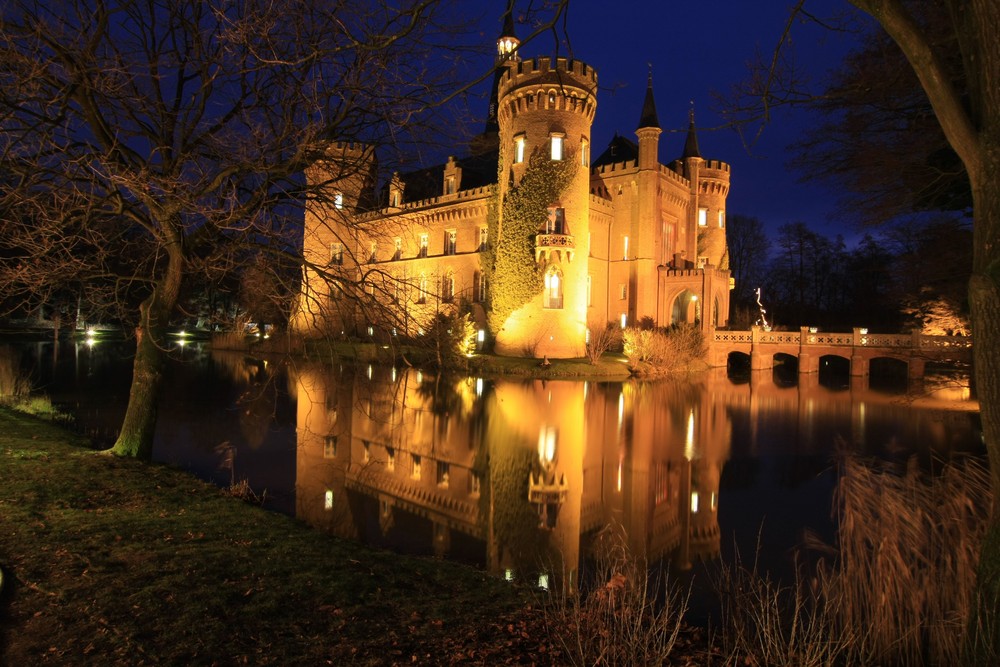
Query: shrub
(665, 349)
(601, 340)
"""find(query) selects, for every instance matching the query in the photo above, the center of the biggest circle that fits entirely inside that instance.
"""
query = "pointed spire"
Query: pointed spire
(648, 117)
(691, 144)
(508, 21)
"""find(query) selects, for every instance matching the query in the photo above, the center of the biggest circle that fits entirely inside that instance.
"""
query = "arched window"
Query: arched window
(553, 296)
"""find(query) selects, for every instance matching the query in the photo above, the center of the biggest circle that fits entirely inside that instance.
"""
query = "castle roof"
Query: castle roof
(691, 143)
(648, 117)
(477, 171)
(508, 21)
(619, 149)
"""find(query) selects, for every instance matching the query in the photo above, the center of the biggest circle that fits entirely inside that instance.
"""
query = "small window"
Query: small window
(703, 217)
(722, 219)
(483, 238)
(423, 245)
(373, 252)
(398, 248)
(622, 291)
(481, 287)
(443, 474)
(519, 149)
(448, 288)
(422, 294)
(474, 484)
(338, 200)
(624, 247)
(449, 185)
(556, 146)
(330, 447)
(584, 153)
(416, 469)
(336, 254)
(390, 459)
(450, 242)
(590, 297)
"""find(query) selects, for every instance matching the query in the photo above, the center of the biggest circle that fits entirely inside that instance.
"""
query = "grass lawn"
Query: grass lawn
(113, 561)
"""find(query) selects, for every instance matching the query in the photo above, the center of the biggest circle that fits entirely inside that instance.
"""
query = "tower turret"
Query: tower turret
(507, 44)
(648, 130)
(546, 111)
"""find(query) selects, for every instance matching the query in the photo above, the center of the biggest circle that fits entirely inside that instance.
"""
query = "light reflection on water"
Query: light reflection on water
(519, 476)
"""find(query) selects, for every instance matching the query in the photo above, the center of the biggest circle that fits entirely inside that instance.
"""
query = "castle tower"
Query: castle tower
(340, 183)
(546, 109)
(647, 221)
(709, 189)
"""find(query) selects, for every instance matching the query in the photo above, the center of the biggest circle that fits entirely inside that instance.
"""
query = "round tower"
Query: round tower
(710, 187)
(546, 109)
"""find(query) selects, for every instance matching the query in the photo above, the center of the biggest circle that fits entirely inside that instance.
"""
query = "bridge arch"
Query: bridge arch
(834, 370)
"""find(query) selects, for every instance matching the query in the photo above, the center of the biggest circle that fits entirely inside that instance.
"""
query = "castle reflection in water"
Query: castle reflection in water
(512, 474)
(520, 476)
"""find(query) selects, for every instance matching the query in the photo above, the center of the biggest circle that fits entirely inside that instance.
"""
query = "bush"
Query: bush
(601, 340)
(665, 349)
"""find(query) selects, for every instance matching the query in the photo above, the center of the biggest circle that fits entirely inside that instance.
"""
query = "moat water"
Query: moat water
(521, 476)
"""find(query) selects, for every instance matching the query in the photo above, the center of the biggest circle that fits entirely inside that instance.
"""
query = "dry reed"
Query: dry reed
(626, 618)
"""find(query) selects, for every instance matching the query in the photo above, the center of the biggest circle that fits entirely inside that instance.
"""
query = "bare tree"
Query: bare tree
(146, 144)
(967, 107)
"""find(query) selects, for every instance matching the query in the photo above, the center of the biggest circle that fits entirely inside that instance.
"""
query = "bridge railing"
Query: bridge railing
(859, 337)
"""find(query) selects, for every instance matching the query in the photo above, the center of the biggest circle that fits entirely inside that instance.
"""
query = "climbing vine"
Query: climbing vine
(511, 272)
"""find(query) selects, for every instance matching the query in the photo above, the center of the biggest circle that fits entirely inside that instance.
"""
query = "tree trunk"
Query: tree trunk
(984, 300)
(136, 436)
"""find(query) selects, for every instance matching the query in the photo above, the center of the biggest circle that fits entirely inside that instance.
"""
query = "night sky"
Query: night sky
(697, 49)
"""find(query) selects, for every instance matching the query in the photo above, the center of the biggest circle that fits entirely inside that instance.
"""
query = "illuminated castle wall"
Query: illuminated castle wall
(628, 240)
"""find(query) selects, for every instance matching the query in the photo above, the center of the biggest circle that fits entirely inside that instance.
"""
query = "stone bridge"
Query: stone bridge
(859, 348)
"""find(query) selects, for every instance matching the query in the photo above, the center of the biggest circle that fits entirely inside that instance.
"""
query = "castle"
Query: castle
(537, 241)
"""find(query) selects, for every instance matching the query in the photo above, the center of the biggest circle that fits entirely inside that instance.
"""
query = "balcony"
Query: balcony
(562, 245)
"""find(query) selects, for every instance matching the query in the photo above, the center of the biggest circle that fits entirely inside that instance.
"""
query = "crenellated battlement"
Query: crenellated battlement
(355, 148)
(543, 70)
(717, 165)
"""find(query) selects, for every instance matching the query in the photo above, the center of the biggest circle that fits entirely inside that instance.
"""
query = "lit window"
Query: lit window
(624, 247)
(519, 149)
(450, 242)
(548, 437)
(328, 500)
(557, 146)
(443, 474)
(338, 200)
(390, 459)
(694, 502)
(483, 237)
(330, 447)
(415, 471)
(553, 297)
(367, 451)
(481, 296)
(449, 187)
(398, 248)
(423, 245)
(703, 217)
(337, 254)
(372, 251)
(722, 219)
(624, 320)
(584, 153)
